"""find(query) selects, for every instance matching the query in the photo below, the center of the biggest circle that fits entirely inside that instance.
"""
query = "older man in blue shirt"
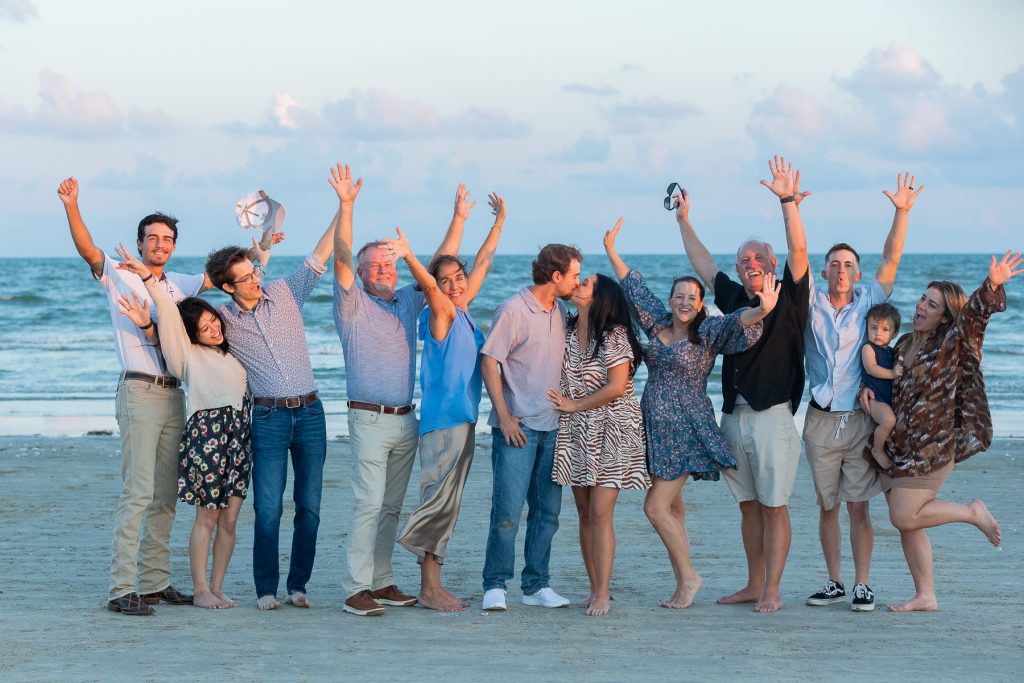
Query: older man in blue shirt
(835, 429)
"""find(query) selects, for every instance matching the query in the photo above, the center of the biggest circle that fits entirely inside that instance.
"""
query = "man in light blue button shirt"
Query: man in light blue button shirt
(835, 429)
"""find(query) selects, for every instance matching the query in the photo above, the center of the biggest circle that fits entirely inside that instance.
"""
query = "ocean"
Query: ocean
(58, 368)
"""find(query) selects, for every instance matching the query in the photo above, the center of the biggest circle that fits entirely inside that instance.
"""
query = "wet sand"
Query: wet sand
(60, 493)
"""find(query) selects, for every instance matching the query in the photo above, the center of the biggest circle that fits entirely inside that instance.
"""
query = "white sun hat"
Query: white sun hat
(257, 210)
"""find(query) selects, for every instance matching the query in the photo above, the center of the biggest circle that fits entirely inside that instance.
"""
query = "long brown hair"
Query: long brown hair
(953, 300)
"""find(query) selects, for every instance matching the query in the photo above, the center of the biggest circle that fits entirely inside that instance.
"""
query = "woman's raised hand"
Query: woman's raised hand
(1007, 267)
(769, 294)
(610, 235)
(399, 246)
(134, 310)
(462, 204)
(497, 205)
(129, 262)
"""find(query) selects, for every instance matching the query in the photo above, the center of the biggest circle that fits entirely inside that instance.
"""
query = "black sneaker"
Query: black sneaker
(830, 593)
(863, 598)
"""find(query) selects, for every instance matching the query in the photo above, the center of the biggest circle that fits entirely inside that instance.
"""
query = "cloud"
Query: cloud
(19, 11)
(67, 110)
(583, 89)
(149, 173)
(638, 116)
(588, 149)
(895, 111)
(377, 115)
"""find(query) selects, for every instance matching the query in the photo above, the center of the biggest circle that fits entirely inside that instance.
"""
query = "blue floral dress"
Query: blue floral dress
(679, 420)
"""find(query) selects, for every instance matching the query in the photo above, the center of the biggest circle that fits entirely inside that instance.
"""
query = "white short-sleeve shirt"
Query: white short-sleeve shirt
(134, 351)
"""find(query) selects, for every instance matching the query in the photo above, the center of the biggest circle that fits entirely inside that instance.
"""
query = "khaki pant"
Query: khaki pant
(834, 443)
(151, 419)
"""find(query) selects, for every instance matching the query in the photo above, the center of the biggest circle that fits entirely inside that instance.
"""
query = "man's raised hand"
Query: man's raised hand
(341, 181)
(783, 182)
(68, 191)
(905, 195)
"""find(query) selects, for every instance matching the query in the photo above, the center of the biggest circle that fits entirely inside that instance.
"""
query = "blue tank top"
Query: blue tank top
(450, 374)
(885, 357)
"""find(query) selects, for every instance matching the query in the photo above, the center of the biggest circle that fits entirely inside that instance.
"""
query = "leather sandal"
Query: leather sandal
(131, 605)
(169, 595)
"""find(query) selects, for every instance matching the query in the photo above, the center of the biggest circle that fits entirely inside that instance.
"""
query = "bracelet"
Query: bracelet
(148, 278)
(785, 200)
(146, 327)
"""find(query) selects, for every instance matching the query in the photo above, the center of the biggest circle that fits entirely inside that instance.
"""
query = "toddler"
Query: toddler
(879, 370)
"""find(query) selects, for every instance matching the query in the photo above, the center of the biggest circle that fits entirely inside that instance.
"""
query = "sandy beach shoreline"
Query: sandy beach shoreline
(54, 553)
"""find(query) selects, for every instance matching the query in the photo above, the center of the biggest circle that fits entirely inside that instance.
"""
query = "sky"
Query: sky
(576, 112)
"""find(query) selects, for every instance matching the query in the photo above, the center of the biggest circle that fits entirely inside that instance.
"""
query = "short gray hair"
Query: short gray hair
(368, 245)
(764, 245)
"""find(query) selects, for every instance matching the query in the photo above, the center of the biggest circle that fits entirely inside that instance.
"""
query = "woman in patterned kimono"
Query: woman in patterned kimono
(942, 418)
(683, 439)
(599, 448)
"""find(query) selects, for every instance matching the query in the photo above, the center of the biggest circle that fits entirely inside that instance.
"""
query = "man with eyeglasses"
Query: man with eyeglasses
(150, 410)
(762, 388)
(377, 327)
(263, 325)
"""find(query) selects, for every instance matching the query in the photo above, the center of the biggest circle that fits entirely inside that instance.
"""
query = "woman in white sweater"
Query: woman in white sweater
(215, 456)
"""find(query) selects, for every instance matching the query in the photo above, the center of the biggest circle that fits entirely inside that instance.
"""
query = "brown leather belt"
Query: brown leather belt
(159, 380)
(289, 402)
(377, 408)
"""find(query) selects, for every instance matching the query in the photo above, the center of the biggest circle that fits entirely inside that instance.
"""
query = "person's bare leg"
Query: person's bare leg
(920, 509)
(753, 531)
(223, 547)
(830, 536)
(862, 539)
(581, 495)
(918, 551)
(657, 506)
(199, 555)
(602, 524)
(433, 594)
(882, 414)
(778, 534)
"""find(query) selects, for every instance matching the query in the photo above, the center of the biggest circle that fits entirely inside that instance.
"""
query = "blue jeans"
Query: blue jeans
(275, 431)
(522, 475)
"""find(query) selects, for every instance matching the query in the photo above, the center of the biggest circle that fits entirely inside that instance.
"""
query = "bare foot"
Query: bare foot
(298, 599)
(207, 600)
(228, 602)
(986, 522)
(267, 602)
(599, 606)
(586, 602)
(441, 600)
(684, 595)
(770, 601)
(918, 603)
(745, 594)
(883, 460)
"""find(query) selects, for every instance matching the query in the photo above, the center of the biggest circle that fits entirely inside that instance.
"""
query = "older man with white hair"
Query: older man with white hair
(762, 387)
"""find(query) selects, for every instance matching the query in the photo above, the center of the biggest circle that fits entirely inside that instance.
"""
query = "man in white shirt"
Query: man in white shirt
(150, 411)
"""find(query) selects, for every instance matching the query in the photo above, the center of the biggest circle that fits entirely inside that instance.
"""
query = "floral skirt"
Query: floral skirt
(215, 457)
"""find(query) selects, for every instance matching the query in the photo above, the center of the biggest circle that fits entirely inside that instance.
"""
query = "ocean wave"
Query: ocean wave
(25, 298)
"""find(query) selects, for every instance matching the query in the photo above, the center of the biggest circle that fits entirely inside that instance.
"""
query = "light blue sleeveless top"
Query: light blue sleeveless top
(450, 374)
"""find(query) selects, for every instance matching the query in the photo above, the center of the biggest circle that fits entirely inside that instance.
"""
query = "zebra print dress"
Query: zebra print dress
(603, 446)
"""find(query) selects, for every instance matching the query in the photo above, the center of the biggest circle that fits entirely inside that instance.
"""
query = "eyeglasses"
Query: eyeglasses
(255, 276)
(674, 190)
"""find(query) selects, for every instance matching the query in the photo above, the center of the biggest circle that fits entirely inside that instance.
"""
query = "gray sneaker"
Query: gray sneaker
(863, 598)
(830, 593)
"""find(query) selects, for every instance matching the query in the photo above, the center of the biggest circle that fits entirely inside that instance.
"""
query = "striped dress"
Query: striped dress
(603, 446)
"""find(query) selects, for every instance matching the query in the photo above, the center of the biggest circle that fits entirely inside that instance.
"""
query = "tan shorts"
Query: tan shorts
(932, 481)
(835, 451)
(767, 450)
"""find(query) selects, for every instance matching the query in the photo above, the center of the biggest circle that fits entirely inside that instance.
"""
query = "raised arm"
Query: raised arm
(442, 310)
(344, 265)
(785, 184)
(87, 249)
(453, 238)
(485, 256)
(903, 200)
(618, 265)
(700, 257)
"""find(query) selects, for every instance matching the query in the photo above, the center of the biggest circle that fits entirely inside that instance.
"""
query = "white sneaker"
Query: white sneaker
(494, 599)
(545, 597)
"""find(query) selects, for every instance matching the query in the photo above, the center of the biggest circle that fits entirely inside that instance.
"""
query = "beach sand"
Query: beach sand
(60, 494)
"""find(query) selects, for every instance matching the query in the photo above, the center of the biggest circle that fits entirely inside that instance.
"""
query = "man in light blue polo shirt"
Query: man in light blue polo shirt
(835, 429)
